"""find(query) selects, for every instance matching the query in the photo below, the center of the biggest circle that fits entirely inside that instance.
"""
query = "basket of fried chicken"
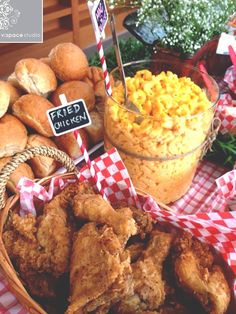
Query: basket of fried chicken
(68, 248)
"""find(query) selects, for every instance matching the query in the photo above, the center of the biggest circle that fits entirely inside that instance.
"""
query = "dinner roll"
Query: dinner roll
(42, 166)
(94, 75)
(15, 93)
(23, 170)
(100, 91)
(68, 143)
(4, 97)
(69, 62)
(95, 129)
(75, 90)
(13, 80)
(13, 136)
(35, 76)
(45, 60)
(5, 197)
(31, 109)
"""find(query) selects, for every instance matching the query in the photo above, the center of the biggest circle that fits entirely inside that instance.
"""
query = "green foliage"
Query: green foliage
(131, 50)
(223, 150)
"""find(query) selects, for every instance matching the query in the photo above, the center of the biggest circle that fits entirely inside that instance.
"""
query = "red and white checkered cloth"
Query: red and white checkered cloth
(31, 189)
(230, 78)
(226, 108)
(226, 112)
(216, 228)
(202, 192)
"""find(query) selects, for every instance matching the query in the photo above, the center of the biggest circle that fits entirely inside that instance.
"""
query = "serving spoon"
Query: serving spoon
(127, 103)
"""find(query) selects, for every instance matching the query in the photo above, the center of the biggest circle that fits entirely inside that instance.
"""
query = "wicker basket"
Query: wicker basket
(6, 266)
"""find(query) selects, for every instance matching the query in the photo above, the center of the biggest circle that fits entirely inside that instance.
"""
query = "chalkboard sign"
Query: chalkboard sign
(68, 117)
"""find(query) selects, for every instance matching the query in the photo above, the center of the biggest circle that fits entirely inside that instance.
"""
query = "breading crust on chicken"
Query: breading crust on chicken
(197, 274)
(149, 286)
(116, 258)
(40, 246)
(98, 264)
(95, 208)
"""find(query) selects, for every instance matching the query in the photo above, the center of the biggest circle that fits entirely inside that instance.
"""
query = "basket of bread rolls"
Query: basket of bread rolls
(32, 89)
(83, 253)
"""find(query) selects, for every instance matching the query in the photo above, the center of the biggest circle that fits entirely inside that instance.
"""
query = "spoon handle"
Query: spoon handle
(117, 52)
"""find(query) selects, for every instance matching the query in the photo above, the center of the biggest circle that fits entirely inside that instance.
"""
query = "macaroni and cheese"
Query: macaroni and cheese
(160, 146)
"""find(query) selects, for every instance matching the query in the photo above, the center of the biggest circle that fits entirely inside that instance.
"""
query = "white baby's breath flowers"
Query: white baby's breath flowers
(119, 3)
(188, 24)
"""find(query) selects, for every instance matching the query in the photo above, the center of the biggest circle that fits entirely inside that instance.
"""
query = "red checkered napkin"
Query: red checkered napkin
(227, 188)
(30, 190)
(230, 78)
(216, 228)
(226, 112)
(111, 173)
(226, 108)
(8, 302)
(203, 194)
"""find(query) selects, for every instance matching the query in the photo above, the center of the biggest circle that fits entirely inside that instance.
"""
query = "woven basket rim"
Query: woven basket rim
(7, 269)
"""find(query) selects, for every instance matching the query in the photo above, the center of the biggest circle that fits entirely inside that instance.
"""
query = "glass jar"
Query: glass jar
(160, 152)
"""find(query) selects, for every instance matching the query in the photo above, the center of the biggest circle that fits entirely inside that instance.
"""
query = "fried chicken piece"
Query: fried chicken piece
(197, 274)
(176, 309)
(135, 250)
(40, 246)
(95, 208)
(40, 284)
(99, 267)
(144, 222)
(130, 311)
(149, 287)
(122, 287)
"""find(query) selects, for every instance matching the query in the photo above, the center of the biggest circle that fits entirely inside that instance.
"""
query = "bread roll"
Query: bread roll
(100, 91)
(45, 60)
(13, 136)
(13, 80)
(35, 76)
(88, 81)
(42, 166)
(31, 110)
(69, 62)
(75, 90)
(4, 97)
(94, 75)
(5, 197)
(95, 130)
(23, 170)
(15, 93)
(68, 143)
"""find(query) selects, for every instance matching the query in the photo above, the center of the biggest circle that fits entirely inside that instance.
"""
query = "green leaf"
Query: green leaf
(131, 50)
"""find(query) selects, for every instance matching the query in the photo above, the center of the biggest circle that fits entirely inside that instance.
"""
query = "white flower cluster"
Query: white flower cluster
(121, 3)
(188, 24)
